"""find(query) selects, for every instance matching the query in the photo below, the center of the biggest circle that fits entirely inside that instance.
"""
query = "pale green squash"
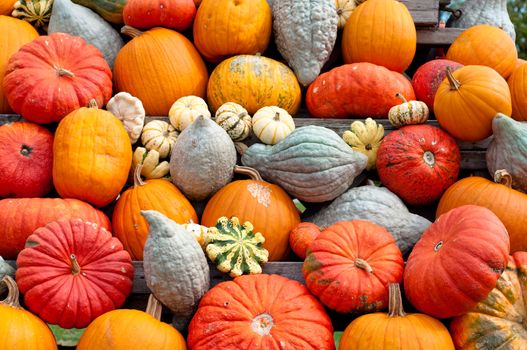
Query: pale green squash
(110, 10)
(5, 269)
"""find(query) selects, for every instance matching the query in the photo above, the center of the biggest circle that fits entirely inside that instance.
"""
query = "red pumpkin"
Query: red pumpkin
(350, 265)
(418, 163)
(302, 236)
(147, 14)
(73, 271)
(27, 160)
(428, 77)
(55, 75)
(260, 312)
(457, 262)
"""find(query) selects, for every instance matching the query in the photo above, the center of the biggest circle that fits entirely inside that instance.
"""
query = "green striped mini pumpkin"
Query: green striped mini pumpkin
(408, 113)
(234, 119)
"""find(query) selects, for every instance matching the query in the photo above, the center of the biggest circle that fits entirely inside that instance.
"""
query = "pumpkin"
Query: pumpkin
(408, 113)
(20, 217)
(520, 62)
(176, 269)
(235, 248)
(203, 159)
(130, 111)
(356, 90)
(15, 34)
(159, 136)
(96, 162)
(365, 137)
(396, 330)
(27, 160)
(344, 10)
(497, 321)
(518, 87)
(378, 205)
(224, 28)
(110, 10)
(265, 205)
(234, 119)
(312, 164)
(5, 270)
(350, 264)
(272, 124)
(177, 15)
(78, 20)
(36, 12)
(260, 312)
(151, 168)
(6, 6)
(380, 32)
(158, 67)
(462, 255)
(428, 77)
(485, 45)
(253, 82)
(477, 93)
(21, 329)
(199, 232)
(302, 236)
(137, 330)
(83, 272)
(54, 75)
(509, 205)
(305, 33)
(418, 163)
(186, 110)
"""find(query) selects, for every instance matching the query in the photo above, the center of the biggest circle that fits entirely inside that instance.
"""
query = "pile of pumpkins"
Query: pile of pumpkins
(90, 184)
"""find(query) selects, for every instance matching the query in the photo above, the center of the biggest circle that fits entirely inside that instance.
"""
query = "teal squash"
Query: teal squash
(110, 10)
(5, 269)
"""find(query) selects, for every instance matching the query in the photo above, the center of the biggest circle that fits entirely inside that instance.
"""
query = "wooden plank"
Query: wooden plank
(424, 12)
(437, 38)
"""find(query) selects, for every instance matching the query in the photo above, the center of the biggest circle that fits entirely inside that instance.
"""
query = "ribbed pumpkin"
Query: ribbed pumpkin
(518, 86)
(6, 7)
(467, 101)
(485, 45)
(20, 217)
(509, 205)
(92, 156)
(15, 34)
(266, 206)
(260, 312)
(254, 82)
(177, 15)
(302, 236)
(159, 66)
(380, 32)
(131, 227)
(225, 28)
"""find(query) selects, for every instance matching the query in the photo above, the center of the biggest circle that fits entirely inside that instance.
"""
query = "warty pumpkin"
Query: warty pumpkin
(110, 10)
(365, 137)
(302, 236)
(146, 14)
(159, 66)
(36, 12)
(518, 86)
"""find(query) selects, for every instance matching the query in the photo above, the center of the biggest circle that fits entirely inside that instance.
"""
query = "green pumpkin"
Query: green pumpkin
(110, 10)
(36, 12)
(234, 248)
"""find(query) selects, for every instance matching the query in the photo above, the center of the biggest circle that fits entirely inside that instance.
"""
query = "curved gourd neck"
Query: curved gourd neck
(253, 174)
(13, 294)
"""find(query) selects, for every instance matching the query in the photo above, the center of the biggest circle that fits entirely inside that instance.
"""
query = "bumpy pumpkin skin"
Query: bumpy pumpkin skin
(177, 15)
(281, 314)
(302, 236)
(518, 86)
(457, 262)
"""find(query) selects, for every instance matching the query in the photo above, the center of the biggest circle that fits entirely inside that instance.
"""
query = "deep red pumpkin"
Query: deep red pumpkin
(73, 271)
(302, 236)
(457, 262)
(418, 163)
(350, 265)
(147, 14)
(27, 160)
(428, 77)
(54, 75)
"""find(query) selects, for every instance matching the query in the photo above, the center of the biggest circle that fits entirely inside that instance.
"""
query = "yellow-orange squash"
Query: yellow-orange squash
(380, 32)
(518, 86)
(158, 67)
(6, 7)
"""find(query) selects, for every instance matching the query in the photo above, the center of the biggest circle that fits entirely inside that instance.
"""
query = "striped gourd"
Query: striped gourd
(408, 113)
(160, 136)
(234, 119)
(36, 12)
(272, 124)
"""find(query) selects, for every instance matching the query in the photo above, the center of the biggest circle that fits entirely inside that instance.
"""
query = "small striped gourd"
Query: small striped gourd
(272, 124)
(408, 113)
(234, 119)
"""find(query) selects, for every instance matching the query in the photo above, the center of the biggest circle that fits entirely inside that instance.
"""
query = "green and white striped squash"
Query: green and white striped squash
(35, 12)
(408, 113)
(234, 119)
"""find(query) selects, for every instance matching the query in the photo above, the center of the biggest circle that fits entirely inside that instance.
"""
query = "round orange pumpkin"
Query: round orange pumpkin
(6, 7)
(467, 101)
(302, 236)
(485, 45)
(518, 86)
(267, 206)
(158, 67)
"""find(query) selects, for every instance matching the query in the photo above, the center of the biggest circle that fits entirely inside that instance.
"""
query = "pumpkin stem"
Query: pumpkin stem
(75, 267)
(277, 116)
(245, 170)
(154, 307)
(401, 97)
(131, 31)
(64, 72)
(137, 176)
(25, 150)
(395, 306)
(454, 83)
(93, 104)
(503, 177)
(363, 264)
(13, 294)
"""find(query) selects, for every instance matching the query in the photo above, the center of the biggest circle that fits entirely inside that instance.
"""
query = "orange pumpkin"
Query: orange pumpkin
(520, 62)
(518, 87)
(467, 101)
(91, 156)
(224, 28)
(380, 32)
(15, 33)
(266, 206)
(6, 7)
(158, 67)
(485, 45)
(130, 226)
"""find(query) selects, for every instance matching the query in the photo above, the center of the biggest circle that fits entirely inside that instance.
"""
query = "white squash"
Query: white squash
(199, 232)
(234, 119)
(152, 168)
(408, 113)
(130, 111)
(344, 10)
(187, 109)
(160, 136)
(272, 124)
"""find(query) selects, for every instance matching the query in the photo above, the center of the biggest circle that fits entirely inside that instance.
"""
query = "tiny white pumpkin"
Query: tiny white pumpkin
(344, 10)
(408, 113)
(234, 119)
(272, 124)
(199, 232)
(130, 111)
(160, 136)
(187, 109)
(152, 168)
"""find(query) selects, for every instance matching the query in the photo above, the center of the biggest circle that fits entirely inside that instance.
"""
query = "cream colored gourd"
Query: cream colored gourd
(365, 138)
(408, 113)
(344, 10)
(272, 124)
(234, 119)
(130, 111)
(199, 232)
(160, 136)
(186, 110)
(149, 160)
